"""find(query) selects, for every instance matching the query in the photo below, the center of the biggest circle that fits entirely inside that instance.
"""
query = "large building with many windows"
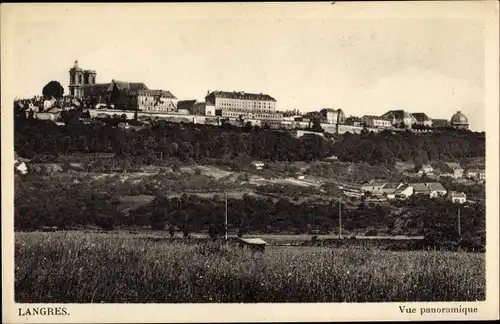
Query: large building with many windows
(156, 100)
(242, 105)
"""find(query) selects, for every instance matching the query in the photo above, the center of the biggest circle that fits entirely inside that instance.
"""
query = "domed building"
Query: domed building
(459, 121)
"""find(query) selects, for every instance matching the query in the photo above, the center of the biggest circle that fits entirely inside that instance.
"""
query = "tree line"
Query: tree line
(68, 205)
(193, 142)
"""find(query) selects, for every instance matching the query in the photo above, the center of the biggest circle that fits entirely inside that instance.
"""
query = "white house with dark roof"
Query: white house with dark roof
(376, 122)
(476, 174)
(20, 167)
(436, 189)
(403, 192)
(453, 168)
(431, 189)
(375, 187)
(457, 197)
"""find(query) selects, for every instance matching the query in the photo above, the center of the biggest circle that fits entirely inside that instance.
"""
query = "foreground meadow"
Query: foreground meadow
(103, 268)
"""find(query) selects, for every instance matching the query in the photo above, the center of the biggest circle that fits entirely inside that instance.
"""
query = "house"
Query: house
(47, 104)
(331, 116)
(255, 244)
(399, 118)
(258, 165)
(403, 192)
(375, 122)
(195, 108)
(427, 169)
(422, 119)
(155, 100)
(476, 174)
(52, 114)
(454, 168)
(436, 189)
(457, 197)
(351, 190)
(374, 187)
(391, 187)
(432, 189)
(353, 121)
(420, 189)
(20, 167)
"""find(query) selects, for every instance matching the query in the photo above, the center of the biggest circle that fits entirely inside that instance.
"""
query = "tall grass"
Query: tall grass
(101, 268)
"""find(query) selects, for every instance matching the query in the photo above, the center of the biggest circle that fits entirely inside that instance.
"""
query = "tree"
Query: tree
(53, 89)
(158, 220)
(171, 230)
(316, 125)
(213, 232)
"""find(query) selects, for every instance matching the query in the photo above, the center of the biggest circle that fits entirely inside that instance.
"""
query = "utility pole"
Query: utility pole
(459, 230)
(340, 218)
(225, 219)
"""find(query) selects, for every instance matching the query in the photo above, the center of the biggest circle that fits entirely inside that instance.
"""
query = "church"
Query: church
(122, 94)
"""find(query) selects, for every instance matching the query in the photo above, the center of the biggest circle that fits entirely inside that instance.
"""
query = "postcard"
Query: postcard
(222, 162)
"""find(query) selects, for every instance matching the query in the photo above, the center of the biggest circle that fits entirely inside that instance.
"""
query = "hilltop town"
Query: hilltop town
(239, 144)
(133, 101)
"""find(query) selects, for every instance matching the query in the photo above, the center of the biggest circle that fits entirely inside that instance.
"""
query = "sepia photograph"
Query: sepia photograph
(249, 154)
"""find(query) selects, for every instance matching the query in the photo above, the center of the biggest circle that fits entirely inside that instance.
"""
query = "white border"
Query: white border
(101, 313)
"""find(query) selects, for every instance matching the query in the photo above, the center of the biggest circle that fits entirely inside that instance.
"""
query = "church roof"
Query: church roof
(95, 89)
(128, 86)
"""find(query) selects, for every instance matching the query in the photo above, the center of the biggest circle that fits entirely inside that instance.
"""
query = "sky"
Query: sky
(361, 65)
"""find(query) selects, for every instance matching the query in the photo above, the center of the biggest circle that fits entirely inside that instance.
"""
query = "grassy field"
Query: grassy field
(101, 268)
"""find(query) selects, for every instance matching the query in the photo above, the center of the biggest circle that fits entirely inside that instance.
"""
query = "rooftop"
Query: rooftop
(392, 185)
(239, 95)
(457, 194)
(397, 114)
(324, 110)
(129, 86)
(420, 187)
(164, 93)
(253, 241)
(375, 183)
(421, 117)
(440, 122)
(435, 186)
(453, 165)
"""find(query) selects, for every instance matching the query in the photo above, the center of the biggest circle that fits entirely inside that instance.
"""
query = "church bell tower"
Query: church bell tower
(76, 81)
